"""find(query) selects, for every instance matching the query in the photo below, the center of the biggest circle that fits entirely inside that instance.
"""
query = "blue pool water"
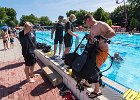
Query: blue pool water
(126, 72)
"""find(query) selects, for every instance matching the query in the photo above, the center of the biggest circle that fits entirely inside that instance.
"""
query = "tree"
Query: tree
(79, 15)
(118, 16)
(11, 13)
(109, 22)
(31, 18)
(134, 23)
(101, 15)
(8, 16)
(12, 24)
(44, 20)
(3, 15)
(135, 5)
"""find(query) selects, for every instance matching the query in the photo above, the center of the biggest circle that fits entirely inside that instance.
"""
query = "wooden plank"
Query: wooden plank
(52, 75)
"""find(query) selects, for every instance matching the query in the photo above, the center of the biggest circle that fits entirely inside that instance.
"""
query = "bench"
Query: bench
(52, 75)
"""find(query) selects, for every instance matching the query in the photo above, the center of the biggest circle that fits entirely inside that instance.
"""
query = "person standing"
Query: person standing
(11, 35)
(28, 51)
(58, 28)
(69, 33)
(5, 37)
(98, 28)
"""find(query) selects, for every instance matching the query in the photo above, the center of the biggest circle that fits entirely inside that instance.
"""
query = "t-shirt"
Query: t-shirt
(59, 30)
(26, 43)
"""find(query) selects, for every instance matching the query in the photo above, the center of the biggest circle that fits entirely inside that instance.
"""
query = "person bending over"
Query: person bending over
(103, 29)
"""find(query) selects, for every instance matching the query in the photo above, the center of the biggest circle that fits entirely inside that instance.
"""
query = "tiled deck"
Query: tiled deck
(12, 78)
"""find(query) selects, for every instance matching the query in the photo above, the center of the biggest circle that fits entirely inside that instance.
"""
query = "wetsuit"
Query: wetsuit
(58, 33)
(27, 48)
(68, 39)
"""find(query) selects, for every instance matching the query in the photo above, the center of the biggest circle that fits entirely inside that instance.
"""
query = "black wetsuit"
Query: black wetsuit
(58, 33)
(27, 48)
(68, 39)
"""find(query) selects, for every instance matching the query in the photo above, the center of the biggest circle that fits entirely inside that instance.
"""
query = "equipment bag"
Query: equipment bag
(84, 65)
(71, 57)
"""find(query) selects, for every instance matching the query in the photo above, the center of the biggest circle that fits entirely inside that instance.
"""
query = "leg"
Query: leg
(7, 44)
(97, 89)
(55, 48)
(26, 70)
(32, 71)
(60, 48)
(30, 67)
(12, 45)
(55, 45)
(100, 59)
(4, 45)
(67, 50)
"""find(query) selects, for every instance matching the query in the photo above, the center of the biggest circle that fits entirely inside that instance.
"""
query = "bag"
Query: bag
(41, 45)
(79, 62)
(47, 49)
(84, 66)
(71, 57)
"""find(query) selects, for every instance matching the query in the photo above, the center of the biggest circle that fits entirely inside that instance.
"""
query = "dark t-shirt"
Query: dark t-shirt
(26, 43)
(59, 30)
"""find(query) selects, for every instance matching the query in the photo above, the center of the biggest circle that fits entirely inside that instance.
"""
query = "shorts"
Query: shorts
(4, 41)
(60, 40)
(101, 57)
(30, 59)
(68, 41)
(11, 40)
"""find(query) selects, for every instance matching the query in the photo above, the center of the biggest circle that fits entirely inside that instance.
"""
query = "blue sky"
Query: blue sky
(54, 8)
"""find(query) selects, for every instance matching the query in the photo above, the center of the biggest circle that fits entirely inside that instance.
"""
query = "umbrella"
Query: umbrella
(4, 27)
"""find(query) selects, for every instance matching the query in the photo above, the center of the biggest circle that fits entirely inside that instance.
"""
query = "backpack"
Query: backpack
(84, 66)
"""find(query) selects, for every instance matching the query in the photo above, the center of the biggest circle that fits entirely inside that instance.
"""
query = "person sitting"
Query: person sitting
(117, 57)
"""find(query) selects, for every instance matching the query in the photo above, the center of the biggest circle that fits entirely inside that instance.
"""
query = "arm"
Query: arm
(69, 30)
(107, 31)
(52, 31)
(72, 33)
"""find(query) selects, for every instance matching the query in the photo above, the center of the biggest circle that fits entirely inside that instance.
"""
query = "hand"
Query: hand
(51, 36)
(76, 35)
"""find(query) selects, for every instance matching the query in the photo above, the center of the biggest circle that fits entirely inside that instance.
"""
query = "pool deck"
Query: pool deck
(12, 78)
(112, 90)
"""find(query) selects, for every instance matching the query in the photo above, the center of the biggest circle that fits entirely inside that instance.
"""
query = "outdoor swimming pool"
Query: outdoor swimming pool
(126, 72)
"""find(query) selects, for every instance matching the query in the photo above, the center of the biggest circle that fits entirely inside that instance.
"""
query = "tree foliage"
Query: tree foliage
(135, 5)
(79, 15)
(8, 16)
(44, 20)
(134, 23)
(101, 15)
